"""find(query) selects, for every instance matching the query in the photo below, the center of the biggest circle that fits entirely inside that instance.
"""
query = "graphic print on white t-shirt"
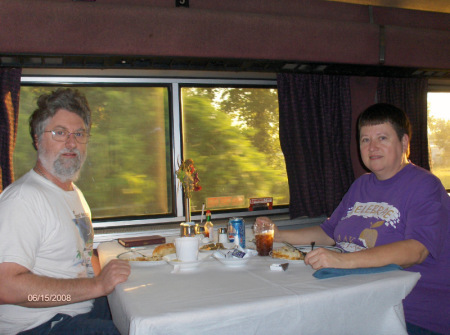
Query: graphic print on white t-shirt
(83, 223)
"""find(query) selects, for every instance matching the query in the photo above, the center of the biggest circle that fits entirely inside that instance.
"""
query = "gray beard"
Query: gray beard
(59, 167)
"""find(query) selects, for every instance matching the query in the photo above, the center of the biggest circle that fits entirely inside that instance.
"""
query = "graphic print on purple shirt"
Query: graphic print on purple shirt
(367, 219)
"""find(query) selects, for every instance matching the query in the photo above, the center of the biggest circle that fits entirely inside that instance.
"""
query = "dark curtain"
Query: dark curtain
(410, 95)
(9, 115)
(315, 134)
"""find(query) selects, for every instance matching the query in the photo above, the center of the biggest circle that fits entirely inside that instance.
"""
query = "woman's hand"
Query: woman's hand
(298, 236)
(404, 253)
(276, 232)
(322, 258)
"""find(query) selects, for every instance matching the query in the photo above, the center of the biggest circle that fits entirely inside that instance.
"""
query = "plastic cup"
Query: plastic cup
(264, 238)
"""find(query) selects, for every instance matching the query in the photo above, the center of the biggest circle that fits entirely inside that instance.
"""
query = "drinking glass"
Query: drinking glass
(263, 237)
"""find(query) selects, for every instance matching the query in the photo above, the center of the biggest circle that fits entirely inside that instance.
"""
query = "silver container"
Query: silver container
(223, 236)
(188, 229)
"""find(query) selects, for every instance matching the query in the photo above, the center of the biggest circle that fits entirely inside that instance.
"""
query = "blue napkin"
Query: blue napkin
(333, 272)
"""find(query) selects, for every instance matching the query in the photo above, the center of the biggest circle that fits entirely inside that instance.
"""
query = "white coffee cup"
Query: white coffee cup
(187, 248)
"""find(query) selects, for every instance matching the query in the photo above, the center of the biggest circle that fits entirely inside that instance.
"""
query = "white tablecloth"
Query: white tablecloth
(214, 299)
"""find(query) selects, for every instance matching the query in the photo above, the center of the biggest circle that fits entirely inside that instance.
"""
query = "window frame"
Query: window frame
(439, 86)
(176, 132)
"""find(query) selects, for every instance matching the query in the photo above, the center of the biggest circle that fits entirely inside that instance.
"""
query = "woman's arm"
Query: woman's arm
(299, 236)
(404, 253)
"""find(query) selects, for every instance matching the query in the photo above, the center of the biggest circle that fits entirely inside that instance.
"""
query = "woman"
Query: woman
(397, 214)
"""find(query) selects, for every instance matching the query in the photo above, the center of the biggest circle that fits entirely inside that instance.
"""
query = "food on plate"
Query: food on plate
(164, 249)
(287, 253)
(212, 246)
(145, 259)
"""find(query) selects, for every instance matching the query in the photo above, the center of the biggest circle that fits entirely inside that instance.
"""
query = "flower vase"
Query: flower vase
(187, 208)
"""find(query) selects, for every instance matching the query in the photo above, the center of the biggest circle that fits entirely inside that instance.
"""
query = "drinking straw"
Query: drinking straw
(203, 210)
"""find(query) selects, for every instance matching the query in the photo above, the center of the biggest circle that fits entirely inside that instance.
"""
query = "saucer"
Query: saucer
(179, 265)
(233, 262)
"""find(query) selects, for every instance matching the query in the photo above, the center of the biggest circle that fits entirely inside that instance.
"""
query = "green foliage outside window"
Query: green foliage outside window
(231, 133)
(232, 136)
(439, 135)
(128, 168)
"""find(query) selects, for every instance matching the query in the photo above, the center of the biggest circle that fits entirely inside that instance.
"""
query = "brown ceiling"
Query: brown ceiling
(440, 6)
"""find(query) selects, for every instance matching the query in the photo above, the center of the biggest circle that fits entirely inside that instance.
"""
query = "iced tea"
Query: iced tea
(264, 243)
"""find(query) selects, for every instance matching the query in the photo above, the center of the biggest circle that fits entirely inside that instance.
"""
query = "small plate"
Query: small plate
(307, 248)
(291, 261)
(233, 262)
(227, 246)
(132, 256)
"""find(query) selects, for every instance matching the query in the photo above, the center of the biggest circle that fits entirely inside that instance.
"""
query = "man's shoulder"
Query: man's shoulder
(25, 187)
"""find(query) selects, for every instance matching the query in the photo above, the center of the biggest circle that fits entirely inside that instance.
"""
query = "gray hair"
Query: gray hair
(49, 104)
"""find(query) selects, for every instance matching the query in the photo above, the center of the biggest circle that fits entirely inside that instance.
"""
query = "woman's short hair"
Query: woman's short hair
(381, 113)
(49, 104)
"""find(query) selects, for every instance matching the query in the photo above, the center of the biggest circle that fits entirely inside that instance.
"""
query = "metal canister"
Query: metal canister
(188, 229)
(236, 231)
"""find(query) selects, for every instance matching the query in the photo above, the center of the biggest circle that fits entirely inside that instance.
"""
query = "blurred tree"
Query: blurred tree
(256, 109)
(438, 134)
(128, 164)
(224, 151)
(128, 168)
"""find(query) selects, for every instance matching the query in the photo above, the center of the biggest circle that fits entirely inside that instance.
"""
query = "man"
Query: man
(47, 283)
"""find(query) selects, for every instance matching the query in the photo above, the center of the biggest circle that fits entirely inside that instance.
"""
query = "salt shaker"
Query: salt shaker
(223, 236)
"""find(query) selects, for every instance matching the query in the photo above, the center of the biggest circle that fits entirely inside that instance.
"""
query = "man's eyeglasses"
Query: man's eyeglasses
(62, 135)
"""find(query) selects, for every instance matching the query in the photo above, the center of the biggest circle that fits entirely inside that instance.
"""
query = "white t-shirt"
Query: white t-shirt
(48, 231)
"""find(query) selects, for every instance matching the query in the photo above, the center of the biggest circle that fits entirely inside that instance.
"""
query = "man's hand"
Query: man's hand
(19, 286)
(115, 272)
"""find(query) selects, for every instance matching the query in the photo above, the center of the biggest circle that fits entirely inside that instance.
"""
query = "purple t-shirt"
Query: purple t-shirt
(411, 205)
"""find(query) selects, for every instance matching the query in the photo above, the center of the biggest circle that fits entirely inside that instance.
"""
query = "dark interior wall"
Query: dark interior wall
(292, 30)
(363, 91)
(298, 30)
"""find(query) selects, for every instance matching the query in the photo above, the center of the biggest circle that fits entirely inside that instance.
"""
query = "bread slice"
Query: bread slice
(287, 253)
(164, 249)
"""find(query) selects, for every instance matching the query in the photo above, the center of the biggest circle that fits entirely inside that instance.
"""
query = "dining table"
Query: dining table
(254, 298)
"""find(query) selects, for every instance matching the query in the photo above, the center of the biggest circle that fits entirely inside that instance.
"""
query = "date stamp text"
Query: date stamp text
(49, 297)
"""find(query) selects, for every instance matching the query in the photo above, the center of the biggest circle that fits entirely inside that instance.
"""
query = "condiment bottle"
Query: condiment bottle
(208, 225)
